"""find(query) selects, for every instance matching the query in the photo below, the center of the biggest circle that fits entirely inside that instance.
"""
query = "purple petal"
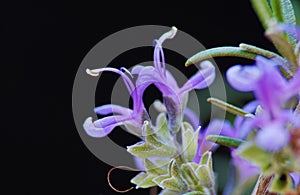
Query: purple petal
(296, 178)
(111, 120)
(214, 128)
(294, 84)
(94, 131)
(137, 69)
(245, 170)
(203, 78)
(273, 137)
(291, 29)
(271, 86)
(112, 108)
(242, 78)
(149, 76)
(192, 117)
(139, 163)
(296, 119)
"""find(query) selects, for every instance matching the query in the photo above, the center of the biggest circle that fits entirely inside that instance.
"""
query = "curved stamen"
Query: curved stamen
(126, 79)
(168, 35)
(159, 59)
(127, 71)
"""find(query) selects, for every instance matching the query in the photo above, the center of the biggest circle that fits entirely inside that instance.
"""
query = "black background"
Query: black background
(43, 44)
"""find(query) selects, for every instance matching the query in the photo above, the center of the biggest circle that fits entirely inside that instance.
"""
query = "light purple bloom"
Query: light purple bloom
(272, 91)
(175, 97)
(131, 118)
(240, 130)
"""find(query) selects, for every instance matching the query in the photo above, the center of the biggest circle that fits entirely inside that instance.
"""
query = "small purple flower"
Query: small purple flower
(175, 97)
(272, 91)
(132, 119)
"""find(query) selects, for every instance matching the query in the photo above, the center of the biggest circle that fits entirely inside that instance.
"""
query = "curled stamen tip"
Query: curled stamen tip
(127, 71)
(173, 32)
(92, 73)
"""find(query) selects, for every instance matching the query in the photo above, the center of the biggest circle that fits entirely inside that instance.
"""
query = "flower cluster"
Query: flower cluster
(164, 156)
(264, 139)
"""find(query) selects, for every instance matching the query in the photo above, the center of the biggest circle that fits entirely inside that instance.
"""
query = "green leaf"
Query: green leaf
(255, 155)
(263, 11)
(277, 11)
(189, 141)
(258, 51)
(225, 141)
(143, 180)
(220, 52)
(228, 107)
(280, 183)
(284, 12)
(282, 45)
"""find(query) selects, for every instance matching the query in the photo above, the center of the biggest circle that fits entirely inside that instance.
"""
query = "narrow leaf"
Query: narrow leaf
(263, 11)
(282, 45)
(228, 107)
(258, 51)
(220, 52)
(225, 141)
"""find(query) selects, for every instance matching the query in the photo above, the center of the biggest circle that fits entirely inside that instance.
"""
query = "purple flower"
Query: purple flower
(131, 118)
(175, 97)
(272, 91)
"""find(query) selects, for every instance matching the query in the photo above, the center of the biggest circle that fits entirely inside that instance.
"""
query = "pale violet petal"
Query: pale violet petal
(203, 78)
(112, 108)
(243, 78)
(94, 131)
(272, 137)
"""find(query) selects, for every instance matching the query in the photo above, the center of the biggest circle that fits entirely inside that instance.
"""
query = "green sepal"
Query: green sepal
(143, 180)
(162, 130)
(205, 170)
(205, 177)
(220, 52)
(155, 168)
(189, 175)
(225, 141)
(281, 183)
(145, 150)
(263, 11)
(189, 141)
(154, 144)
(172, 180)
(255, 155)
